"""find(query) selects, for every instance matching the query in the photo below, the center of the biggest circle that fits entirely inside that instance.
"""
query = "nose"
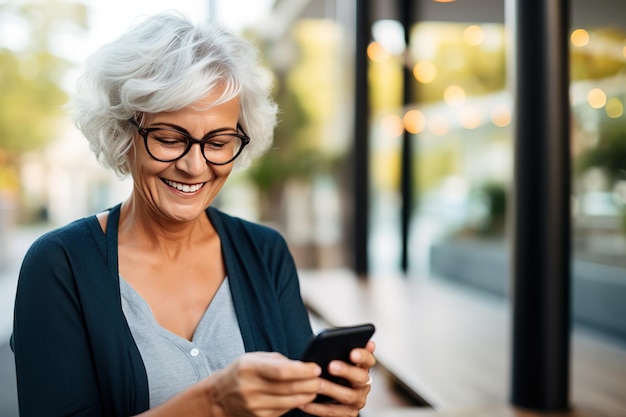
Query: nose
(193, 163)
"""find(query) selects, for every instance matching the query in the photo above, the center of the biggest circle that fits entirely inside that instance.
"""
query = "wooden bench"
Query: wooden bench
(449, 346)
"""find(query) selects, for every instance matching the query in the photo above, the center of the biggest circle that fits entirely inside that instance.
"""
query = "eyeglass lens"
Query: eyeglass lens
(169, 145)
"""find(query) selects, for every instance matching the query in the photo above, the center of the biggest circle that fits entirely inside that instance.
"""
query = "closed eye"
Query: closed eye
(222, 141)
(168, 138)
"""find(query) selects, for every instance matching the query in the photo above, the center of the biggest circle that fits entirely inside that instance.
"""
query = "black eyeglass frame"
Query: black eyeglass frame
(145, 131)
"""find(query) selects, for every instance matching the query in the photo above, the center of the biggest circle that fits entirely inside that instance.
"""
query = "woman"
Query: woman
(163, 305)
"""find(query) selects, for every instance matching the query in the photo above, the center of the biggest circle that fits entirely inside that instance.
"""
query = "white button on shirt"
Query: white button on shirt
(173, 363)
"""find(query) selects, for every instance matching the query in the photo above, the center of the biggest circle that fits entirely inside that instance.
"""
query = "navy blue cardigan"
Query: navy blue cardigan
(74, 352)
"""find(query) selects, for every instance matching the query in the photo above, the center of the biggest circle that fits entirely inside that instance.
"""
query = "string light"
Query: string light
(414, 121)
(579, 37)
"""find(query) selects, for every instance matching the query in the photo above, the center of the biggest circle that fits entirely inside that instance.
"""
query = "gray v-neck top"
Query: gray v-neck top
(174, 363)
(68, 300)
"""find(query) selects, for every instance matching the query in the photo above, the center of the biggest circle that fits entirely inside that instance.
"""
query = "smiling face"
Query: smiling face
(181, 190)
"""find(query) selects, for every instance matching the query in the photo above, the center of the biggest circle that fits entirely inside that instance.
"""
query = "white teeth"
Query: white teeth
(185, 188)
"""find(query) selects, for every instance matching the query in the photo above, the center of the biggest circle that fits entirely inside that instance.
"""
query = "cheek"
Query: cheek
(140, 164)
(223, 170)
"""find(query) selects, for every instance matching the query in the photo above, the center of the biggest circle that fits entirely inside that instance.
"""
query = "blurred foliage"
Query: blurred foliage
(601, 58)
(609, 153)
(43, 19)
(29, 102)
(440, 163)
(478, 68)
(305, 91)
(288, 158)
(30, 76)
(495, 196)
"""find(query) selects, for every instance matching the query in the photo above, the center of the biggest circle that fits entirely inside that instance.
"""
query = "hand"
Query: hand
(351, 399)
(263, 384)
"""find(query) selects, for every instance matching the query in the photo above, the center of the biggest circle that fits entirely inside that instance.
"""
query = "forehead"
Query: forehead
(206, 112)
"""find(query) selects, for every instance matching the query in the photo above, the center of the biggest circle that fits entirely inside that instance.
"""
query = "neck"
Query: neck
(142, 225)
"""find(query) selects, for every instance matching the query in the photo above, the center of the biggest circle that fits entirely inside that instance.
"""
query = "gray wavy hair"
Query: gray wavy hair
(166, 63)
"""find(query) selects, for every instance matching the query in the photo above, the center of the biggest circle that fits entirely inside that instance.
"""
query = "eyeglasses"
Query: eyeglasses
(219, 147)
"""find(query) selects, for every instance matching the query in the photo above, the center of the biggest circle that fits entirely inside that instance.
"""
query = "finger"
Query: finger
(280, 402)
(242, 390)
(333, 409)
(363, 358)
(276, 367)
(309, 386)
(329, 409)
(355, 375)
(365, 384)
(292, 371)
(279, 376)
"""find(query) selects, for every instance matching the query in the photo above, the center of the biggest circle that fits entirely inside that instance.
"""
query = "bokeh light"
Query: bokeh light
(390, 35)
(614, 108)
(377, 53)
(501, 116)
(596, 98)
(579, 37)
(454, 95)
(474, 35)
(425, 72)
(414, 121)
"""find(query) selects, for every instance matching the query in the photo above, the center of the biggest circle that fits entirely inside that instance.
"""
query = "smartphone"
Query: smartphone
(336, 344)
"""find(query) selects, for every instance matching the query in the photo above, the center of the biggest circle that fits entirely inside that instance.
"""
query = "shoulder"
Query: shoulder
(76, 234)
(263, 247)
(53, 261)
(71, 240)
(262, 244)
(238, 227)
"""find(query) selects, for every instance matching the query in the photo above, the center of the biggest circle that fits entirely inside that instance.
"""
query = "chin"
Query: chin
(183, 212)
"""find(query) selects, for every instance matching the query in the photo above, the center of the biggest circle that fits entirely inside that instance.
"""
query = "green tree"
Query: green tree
(304, 90)
(609, 154)
(30, 76)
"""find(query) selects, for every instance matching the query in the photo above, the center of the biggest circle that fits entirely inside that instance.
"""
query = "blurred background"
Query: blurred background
(458, 116)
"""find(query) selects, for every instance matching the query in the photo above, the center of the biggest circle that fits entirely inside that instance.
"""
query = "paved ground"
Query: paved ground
(8, 390)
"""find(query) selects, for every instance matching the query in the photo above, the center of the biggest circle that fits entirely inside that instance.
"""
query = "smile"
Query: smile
(185, 188)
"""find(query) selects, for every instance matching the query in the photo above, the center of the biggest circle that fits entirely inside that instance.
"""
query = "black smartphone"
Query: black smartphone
(336, 344)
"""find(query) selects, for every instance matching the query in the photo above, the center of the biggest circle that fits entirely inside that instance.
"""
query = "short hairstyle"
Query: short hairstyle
(165, 63)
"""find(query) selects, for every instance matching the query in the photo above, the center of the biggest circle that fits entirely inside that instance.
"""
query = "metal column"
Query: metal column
(541, 203)
(361, 140)
(407, 11)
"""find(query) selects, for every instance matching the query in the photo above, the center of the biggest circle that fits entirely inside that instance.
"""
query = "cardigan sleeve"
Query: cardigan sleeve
(54, 365)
